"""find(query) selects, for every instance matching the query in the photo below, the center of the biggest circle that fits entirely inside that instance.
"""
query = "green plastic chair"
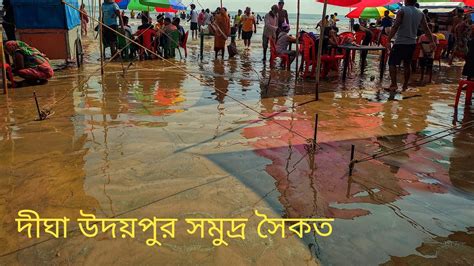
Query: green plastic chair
(171, 45)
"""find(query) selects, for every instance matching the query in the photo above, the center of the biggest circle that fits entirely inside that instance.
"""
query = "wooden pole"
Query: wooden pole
(297, 40)
(101, 28)
(40, 117)
(4, 69)
(351, 164)
(315, 132)
(221, 3)
(320, 49)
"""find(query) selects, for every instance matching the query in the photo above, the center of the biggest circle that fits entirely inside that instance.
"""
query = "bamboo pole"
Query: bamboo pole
(297, 40)
(320, 49)
(4, 69)
(221, 3)
(101, 28)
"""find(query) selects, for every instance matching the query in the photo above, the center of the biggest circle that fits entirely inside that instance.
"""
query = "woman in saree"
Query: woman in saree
(221, 27)
(29, 63)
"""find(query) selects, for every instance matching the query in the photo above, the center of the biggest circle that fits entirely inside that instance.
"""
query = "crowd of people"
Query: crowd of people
(412, 31)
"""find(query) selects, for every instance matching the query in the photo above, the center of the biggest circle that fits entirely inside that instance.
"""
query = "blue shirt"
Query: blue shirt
(109, 10)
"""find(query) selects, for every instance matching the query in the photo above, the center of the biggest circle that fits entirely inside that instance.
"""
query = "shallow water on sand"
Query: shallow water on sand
(159, 142)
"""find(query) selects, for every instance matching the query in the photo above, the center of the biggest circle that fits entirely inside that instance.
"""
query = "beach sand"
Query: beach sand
(190, 142)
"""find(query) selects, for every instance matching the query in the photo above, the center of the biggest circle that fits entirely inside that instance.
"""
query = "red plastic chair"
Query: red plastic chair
(375, 35)
(347, 34)
(184, 44)
(8, 69)
(285, 59)
(443, 44)
(467, 85)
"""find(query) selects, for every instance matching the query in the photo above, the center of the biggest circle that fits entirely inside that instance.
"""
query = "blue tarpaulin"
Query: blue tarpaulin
(45, 14)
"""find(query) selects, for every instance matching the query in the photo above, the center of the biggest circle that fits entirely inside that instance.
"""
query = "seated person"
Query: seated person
(283, 41)
(28, 62)
(146, 36)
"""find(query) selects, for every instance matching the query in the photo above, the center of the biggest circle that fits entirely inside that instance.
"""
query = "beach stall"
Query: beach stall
(442, 12)
(51, 26)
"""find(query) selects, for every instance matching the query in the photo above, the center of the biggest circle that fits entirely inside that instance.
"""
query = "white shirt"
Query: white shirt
(194, 16)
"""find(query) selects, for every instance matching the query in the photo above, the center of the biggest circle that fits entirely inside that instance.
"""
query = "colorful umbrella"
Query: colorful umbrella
(355, 3)
(368, 12)
(122, 3)
(393, 7)
(135, 5)
(164, 4)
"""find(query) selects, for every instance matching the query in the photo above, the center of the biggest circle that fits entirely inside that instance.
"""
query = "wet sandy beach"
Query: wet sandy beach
(159, 142)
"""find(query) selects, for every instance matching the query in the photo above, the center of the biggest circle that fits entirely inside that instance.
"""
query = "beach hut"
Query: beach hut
(50, 26)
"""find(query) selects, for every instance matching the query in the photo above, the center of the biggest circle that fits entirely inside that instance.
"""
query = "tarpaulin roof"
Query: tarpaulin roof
(45, 14)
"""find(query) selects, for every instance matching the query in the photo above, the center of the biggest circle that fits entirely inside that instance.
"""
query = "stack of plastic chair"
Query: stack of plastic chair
(308, 50)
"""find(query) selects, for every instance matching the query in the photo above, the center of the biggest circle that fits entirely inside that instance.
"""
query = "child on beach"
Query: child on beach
(427, 52)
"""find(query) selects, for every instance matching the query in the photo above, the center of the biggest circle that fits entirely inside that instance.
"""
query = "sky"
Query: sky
(307, 6)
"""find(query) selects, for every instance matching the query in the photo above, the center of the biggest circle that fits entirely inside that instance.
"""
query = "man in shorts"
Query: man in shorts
(405, 29)
(249, 27)
(193, 17)
(110, 13)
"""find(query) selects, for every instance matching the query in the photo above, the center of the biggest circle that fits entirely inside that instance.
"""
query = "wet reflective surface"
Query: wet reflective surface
(159, 142)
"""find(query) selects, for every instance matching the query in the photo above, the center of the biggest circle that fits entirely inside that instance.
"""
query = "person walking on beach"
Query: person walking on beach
(249, 27)
(84, 20)
(238, 23)
(193, 17)
(221, 27)
(282, 14)
(405, 29)
(270, 29)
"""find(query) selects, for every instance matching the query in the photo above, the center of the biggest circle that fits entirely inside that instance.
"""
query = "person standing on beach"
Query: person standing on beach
(238, 23)
(193, 17)
(386, 22)
(282, 14)
(201, 19)
(270, 29)
(84, 20)
(221, 26)
(405, 29)
(249, 27)
(110, 13)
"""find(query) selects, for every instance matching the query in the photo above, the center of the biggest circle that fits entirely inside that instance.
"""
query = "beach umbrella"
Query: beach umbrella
(355, 3)
(393, 7)
(368, 12)
(164, 4)
(135, 5)
(165, 10)
(122, 3)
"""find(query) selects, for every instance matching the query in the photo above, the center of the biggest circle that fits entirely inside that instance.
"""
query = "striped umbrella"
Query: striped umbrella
(368, 12)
